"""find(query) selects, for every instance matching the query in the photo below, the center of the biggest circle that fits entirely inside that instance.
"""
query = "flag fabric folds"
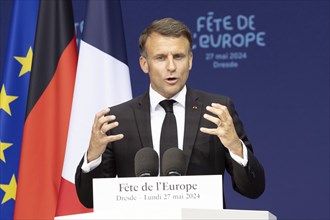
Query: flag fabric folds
(48, 112)
(102, 81)
(13, 94)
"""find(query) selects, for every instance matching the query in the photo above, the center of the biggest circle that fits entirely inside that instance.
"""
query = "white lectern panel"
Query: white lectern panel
(145, 193)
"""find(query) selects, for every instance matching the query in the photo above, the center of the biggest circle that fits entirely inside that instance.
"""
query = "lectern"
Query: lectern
(183, 197)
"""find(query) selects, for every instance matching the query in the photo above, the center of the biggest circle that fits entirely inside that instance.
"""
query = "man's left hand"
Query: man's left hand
(225, 129)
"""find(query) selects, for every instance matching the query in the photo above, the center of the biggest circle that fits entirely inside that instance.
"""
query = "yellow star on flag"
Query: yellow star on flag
(9, 189)
(5, 100)
(26, 62)
(3, 146)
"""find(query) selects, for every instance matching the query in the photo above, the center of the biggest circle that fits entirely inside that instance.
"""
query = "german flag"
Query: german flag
(48, 112)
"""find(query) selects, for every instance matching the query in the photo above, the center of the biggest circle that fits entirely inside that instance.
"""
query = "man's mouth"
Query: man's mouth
(171, 80)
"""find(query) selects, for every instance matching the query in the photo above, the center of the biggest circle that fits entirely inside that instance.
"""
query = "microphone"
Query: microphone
(174, 162)
(146, 162)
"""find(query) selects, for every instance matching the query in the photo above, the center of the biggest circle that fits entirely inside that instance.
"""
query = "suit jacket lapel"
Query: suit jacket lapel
(193, 116)
(192, 121)
(142, 117)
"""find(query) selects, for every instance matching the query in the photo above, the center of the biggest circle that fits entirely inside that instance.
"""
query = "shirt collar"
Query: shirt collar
(155, 97)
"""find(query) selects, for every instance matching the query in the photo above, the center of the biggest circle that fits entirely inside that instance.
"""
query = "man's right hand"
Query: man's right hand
(99, 139)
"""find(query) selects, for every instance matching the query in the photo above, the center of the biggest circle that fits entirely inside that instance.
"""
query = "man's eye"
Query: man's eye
(160, 58)
(179, 57)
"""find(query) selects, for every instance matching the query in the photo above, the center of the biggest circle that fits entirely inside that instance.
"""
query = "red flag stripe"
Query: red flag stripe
(68, 201)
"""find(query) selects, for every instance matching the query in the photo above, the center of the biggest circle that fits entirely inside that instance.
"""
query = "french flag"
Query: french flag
(102, 80)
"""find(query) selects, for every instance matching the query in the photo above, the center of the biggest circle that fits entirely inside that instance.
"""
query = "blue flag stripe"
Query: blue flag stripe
(105, 30)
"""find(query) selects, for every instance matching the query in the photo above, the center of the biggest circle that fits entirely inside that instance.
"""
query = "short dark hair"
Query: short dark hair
(166, 27)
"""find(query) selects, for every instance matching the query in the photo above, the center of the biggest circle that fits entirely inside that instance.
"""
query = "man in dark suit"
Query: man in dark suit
(209, 130)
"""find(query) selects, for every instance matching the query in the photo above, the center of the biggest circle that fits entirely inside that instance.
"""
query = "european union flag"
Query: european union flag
(13, 95)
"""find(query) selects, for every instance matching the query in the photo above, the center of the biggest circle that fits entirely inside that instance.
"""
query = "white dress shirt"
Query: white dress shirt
(157, 116)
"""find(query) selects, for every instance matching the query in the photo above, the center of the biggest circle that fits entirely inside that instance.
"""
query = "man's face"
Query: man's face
(168, 63)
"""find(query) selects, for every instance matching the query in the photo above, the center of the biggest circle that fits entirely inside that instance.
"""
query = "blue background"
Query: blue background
(281, 90)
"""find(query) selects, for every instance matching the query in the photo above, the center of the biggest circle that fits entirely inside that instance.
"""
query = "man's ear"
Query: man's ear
(190, 60)
(144, 64)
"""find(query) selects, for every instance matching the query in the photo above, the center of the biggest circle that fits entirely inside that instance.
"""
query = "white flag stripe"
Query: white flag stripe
(101, 81)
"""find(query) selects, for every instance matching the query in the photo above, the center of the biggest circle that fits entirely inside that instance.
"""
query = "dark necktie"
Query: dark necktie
(168, 135)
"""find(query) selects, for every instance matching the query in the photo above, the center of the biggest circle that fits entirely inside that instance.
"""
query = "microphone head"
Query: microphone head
(173, 162)
(146, 162)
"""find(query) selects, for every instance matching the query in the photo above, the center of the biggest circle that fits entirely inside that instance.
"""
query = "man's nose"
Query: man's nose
(171, 64)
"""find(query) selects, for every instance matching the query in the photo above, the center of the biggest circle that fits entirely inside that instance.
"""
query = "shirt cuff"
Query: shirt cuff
(243, 161)
(87, 167)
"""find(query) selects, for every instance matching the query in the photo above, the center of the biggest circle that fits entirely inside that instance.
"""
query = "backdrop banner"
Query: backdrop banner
(272, 58)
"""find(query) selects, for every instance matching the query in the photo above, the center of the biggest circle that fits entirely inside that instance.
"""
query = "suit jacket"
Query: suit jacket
(205, 154)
